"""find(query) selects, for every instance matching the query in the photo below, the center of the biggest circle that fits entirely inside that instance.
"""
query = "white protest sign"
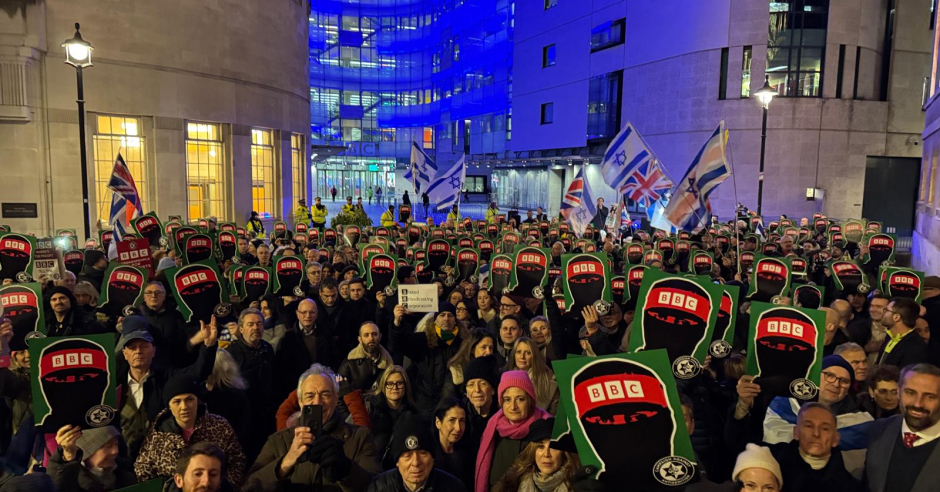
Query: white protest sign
(418, 298)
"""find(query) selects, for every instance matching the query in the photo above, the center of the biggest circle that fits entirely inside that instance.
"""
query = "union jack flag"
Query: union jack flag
(647, 183)
(577, 206)
(125, 202)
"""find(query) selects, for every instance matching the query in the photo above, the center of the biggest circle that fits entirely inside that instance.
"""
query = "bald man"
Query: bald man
(305, 343)
(834, 335)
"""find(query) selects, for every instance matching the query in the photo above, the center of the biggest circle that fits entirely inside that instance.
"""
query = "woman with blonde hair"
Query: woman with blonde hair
(526, 356)
(390, 400)
(86, 295)
(539, 467)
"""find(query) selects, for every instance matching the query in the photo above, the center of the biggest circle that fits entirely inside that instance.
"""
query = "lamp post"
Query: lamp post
(765, 95)
(78, 54)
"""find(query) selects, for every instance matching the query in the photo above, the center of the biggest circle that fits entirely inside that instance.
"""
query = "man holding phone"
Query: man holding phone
(326, 450)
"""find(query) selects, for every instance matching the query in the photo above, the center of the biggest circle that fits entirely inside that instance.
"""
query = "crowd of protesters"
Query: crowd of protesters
(342, 388)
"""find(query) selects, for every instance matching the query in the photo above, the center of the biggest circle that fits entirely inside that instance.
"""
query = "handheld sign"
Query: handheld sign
(418, 298)
(530, 271)
(122, 288)
(256, 282)
(16, 255)
(784, 349)
(22, 304)
(197, 288)
(771, 278)
(723, 334)
(288, 273)
(585, 281)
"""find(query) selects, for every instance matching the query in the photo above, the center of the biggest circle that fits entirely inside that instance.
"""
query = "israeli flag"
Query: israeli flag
(625, 154)
(422, 169)
(446, 188)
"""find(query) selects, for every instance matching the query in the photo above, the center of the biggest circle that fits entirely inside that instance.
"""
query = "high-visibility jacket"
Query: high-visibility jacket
(388, 219)
(302, 215)
(491, 215)
(319, 214)
(348, 208)
(255, 228)
(453, 217)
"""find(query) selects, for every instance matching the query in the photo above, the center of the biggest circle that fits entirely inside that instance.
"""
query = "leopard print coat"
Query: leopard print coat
(164, 444)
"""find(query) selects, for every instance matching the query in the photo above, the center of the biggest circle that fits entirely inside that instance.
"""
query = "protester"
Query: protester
(200, 468)
(412, 452)
(540, 468)
(899, 348)
(89, 460)
(526, 356)
(478, 343)
(365, 364)
(392, 400)
(454, 450)
(881, 398)
(429, 350)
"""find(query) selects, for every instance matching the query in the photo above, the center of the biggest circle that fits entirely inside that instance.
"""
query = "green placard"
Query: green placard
(73, 381)
(585, 279)
(677, 314)
(198, 289)
(22, 304)
(381, 271)
(848, 277)
(700, 262)
(784, 349)
(633, 279)
(256, 283)
(16, 256)
(365, 251)
(288, 274)
(149, 226)
(725, 322)
(819, 294)
(530, 271)
(853, 231)
(902, 282)
(881, 249)
(468, 264)
(122, 287)
(771, 278)
(500, 271)
(626, 398)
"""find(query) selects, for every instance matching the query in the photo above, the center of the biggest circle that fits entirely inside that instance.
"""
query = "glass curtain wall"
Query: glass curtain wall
(520, 188)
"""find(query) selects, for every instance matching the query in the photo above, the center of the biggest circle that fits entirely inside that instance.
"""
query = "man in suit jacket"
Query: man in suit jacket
(540, 215)
(601, 218)
(902, 347)
(904, 454)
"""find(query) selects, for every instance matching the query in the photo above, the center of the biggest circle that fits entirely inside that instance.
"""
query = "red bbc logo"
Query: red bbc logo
(193, 278)
(771, 268)
(256, 275)
(71, 359)
(615, 390)
(290, 264)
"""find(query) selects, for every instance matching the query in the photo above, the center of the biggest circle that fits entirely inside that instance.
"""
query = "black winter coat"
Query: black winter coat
(798, 476)
(170, 336)
(430, 354)
(438, 481)
(383, 420)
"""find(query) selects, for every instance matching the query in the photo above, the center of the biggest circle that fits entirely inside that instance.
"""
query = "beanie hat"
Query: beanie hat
(838, 361)
(485, 368)
(180, 385)
(134, 323)
(95, 438)
(755, 456)
(540, 430)
(92, 256)
(351, 268)
(58, 289)
(411, 434)
(518, 300)
(516, 379)
(446, 307)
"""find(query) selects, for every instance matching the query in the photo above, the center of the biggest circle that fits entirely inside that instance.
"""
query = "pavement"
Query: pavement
(475, 211)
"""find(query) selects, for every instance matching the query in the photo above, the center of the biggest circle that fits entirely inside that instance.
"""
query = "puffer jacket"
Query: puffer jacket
(164, 443)
(429, 353)
(357, 444)
(438, 481)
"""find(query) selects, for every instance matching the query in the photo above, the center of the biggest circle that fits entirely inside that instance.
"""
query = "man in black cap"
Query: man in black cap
(482, 380)
(64, 317)
(412, 447)
(95, 264)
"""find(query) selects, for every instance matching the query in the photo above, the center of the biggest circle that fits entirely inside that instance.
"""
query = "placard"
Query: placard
(48, 261)
(418, 298)
(135, 253)
(784, 349)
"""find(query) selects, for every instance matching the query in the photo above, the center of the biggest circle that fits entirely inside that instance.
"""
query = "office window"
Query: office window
(113, 135)
(546, 113)
(723, 75)
(746, 72)
(298, 164)
(604, 105)
(206, 181)
(610, 33)
(262, 172)
(550, 3)
(796, 46)
(475, 184)
(428, 137)
(457, 49)
(548, 56)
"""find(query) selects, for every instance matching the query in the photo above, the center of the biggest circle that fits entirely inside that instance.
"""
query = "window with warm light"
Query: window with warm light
(113, 135)
(428, 137)
(205, 174)
(262, 172)
(796, 46)
(297, 166)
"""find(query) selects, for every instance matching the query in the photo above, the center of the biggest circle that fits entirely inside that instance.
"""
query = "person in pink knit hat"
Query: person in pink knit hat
(502, 439)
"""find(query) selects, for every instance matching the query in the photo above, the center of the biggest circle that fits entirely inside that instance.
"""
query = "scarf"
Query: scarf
(507, 430)
(537, 482)
(447, 336)
(813, 462)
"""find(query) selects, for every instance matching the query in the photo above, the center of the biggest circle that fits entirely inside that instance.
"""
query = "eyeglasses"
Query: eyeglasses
(395, 385)
(154, 293)
(507, 306)
(886, 310)
(832, 378)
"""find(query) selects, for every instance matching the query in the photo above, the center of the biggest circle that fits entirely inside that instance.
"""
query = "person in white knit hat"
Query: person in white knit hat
(756, 469)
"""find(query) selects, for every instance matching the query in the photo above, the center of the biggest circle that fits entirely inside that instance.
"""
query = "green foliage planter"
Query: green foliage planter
(356, 217)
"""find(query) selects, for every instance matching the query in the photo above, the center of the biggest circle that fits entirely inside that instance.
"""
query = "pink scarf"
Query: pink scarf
(507, 430)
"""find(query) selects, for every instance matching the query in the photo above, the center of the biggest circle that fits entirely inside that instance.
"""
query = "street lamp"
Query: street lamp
(78, 54)
(765, 95)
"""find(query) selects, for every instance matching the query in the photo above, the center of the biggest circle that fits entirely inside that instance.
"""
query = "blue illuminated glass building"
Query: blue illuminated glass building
(384, 73)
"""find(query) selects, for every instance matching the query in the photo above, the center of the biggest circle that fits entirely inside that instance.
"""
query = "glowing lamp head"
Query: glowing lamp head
(77, 50)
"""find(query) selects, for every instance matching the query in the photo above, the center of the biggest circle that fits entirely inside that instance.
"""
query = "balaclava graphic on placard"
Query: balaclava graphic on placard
(124, 286)
(382, 271)
(585, 281)
(530, 266)
(228, 245)
(821, 225)
(149, 228)
(414, 234)
(652, 255)
(719, 348)
(667, 248)
(289, 271)
(366, 251)
(73, 375)
(785, 349)
(617, 285)
(675, 317)
(256, 280)
(849, 277)
(74, 260)
(619, 401)
(880, 249)
(701, 263)
(683, 249)
(21, 305)
(438, 254)
(199, 289)
(771, 277)
(15, 254)
(198, 248)
(634, 253)
(747, 260)
(106, 237)
(903, 283)
(811, 301)
(425, 275)
(634, 278)
(797, 265)
(465, 242)
(352, 234)
(181, 233)
(500, 271)
(329, 235)
(724, 243)
(468, 260)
